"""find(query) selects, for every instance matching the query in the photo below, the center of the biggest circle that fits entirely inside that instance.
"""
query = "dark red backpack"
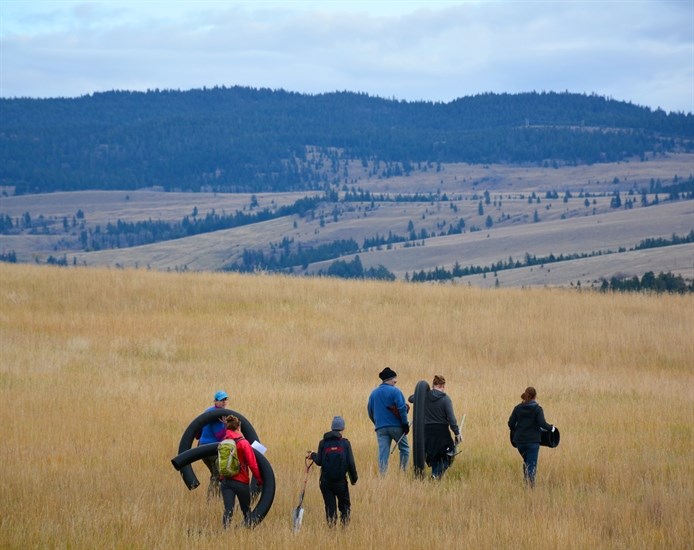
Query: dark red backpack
(334, 460)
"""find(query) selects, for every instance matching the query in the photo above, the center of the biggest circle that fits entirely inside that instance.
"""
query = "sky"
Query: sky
(640, 51)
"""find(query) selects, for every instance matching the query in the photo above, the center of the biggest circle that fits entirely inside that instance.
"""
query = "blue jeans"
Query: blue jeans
(439, 467)
(385, 436)
(529, 452)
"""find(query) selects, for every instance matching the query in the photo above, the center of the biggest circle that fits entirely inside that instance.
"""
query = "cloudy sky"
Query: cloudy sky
(640, 51)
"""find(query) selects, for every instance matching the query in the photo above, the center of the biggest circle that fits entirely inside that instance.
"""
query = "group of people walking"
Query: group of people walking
(387, 410)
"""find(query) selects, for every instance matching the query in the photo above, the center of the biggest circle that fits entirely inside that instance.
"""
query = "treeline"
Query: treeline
(649, 282)
(127, 234)
(248, 140)
(355, 270)
(360, 195)
(443, 274)
(282, 259)
(9, 257)
(381, 240)
(657, 242)
(123, 234)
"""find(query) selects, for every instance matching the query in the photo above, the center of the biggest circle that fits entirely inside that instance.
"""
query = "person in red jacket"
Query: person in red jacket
(238, 485)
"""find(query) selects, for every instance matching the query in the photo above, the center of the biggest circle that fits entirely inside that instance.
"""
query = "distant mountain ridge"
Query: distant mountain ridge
(246, 139)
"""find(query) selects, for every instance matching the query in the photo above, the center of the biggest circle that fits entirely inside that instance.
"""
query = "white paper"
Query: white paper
(258, 446)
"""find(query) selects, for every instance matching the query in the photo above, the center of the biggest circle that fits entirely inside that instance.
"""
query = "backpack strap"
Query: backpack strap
(242, 460)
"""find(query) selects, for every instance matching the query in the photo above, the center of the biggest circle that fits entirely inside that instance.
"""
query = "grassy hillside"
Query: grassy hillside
(524, 221)
(101, 371)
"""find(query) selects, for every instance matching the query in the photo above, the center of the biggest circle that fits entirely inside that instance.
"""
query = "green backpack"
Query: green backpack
(228, 458)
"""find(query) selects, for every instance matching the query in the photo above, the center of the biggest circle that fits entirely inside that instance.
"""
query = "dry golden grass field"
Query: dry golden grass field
(102, 370)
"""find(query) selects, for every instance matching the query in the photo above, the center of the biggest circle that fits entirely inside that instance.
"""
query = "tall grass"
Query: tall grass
(102, 370)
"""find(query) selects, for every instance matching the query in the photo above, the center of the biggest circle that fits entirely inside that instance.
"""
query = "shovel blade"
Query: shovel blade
(297, 518)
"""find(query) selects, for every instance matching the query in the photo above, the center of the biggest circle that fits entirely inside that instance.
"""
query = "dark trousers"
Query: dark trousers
(231, 490)
(437, 445)
(336, 497)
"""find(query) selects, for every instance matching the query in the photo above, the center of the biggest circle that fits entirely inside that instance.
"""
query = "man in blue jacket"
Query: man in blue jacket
(388, 412)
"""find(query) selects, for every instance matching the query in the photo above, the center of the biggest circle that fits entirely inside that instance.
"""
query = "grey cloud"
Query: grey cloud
(638, 52)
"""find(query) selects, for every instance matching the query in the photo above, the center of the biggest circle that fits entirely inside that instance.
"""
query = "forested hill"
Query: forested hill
(246, 139)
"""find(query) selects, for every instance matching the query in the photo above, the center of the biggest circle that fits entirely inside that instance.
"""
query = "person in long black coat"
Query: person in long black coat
(439, 422)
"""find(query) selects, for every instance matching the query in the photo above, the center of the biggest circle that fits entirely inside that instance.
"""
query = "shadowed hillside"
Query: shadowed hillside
(252, 140)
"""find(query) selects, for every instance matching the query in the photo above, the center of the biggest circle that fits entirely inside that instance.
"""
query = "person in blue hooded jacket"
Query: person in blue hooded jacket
(214, 432)
(388, 411)
(525, 423)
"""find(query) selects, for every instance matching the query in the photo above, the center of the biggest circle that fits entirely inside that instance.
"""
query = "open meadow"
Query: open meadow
(101, 370)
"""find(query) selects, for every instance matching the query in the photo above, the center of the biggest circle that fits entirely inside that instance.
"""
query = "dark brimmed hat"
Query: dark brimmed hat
(387, 374)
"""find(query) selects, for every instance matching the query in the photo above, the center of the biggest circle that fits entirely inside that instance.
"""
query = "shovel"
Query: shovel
(298, 513)
(397, 443)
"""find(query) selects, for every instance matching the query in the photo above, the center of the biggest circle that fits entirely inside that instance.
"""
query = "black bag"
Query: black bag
(550, 439)
(547, 438)
(334, 460)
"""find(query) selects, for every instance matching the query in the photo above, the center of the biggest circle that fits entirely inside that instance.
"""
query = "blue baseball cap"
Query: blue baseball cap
(220, 396)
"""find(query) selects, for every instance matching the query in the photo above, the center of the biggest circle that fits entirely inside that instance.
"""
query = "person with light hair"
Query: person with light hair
(439, 422)
(387, 410)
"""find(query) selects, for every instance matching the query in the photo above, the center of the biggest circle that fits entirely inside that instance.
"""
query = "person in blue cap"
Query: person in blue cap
(214, 432)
